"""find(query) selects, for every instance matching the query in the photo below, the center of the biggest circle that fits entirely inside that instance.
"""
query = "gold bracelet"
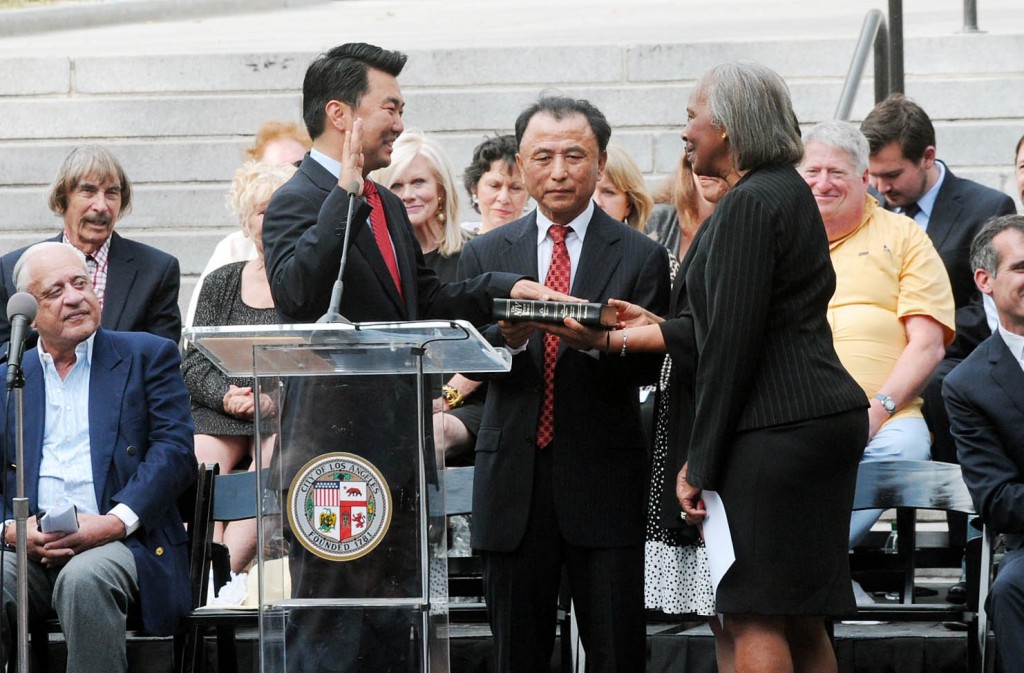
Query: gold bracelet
(452, 396)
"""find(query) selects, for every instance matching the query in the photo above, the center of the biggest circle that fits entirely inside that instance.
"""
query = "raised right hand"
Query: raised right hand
(351, 177)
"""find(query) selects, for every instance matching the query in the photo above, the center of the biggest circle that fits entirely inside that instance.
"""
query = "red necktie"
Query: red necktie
(558, 280)
(380, 232)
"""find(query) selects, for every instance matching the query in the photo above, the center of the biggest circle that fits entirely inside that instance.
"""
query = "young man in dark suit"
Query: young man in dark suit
(137, 285)
(560, 458)
(985, 399)
(352, 107)
(912, 181)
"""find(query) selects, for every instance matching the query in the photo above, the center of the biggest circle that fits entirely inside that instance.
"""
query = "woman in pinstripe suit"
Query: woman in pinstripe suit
(778, 424)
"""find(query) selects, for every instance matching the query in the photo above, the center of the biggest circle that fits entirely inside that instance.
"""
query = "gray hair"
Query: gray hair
(843, 136)
(751, 103)
(21, 275)
(82, 162)
(983, 255)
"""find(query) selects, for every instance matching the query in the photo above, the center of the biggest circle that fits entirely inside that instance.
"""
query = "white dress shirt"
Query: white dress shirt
(1015, 342)
(573, 242)
(65, 470)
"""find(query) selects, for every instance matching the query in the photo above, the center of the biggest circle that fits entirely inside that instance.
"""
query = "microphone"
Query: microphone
(21, 311)
(332, 314)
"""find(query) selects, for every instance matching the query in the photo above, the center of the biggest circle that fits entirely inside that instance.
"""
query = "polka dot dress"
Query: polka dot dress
(677, 578)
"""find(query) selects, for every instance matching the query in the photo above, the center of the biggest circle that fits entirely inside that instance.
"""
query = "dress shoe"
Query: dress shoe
(957, 593)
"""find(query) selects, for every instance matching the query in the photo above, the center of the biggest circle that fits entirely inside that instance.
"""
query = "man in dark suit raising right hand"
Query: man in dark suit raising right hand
(561, 456)
(352, 107)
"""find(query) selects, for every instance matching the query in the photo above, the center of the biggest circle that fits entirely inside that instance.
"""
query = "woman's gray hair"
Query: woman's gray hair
(20, 273)
(844, 136)
(751, 103)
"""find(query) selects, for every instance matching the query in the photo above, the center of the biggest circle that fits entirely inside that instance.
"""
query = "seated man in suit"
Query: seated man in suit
(136, 285)
(892, 311)
(984, 397)
(108, 430)
(561, 458)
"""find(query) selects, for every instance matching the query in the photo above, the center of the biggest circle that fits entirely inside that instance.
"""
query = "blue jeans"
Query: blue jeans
(900, 439)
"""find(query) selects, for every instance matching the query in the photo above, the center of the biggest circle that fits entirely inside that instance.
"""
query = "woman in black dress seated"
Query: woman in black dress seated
(778, 425)
(235, 294)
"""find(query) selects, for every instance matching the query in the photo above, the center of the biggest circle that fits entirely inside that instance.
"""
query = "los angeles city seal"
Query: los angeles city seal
(339, 506)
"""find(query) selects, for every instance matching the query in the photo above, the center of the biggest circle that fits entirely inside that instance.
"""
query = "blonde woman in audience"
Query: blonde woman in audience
(421, 174)
(238, 293)
(621, 191)
(682, 202)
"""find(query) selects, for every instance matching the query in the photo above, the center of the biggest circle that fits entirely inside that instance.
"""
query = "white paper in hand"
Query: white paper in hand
(62, 518)
(717, 538)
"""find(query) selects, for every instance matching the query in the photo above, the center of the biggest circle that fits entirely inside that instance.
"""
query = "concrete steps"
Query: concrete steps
(179, 121)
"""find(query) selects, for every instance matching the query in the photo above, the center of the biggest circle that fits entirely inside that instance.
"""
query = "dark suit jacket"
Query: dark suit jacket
(961, 207)
(141, 439)
(302, 239)
(984, 398)
(141, 295)
(303, 230)
(599, 447)
(756, 282)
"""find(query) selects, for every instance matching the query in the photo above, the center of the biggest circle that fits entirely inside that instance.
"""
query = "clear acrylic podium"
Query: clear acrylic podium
(352, 548)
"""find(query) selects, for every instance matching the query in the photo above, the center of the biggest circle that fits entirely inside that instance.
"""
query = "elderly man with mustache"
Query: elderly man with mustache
(136, 284)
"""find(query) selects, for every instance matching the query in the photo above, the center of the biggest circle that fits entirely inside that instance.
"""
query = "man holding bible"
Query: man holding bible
(108, 430)
(561, 458)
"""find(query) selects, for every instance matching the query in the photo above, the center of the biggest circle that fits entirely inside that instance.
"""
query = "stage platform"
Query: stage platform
(671, 648)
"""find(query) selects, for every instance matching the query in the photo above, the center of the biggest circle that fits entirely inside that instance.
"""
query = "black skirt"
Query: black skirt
(788, 494)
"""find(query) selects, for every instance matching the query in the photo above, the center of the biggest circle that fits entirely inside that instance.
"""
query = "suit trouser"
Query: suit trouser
(521, 589)
(1005, 607)
(91, 595)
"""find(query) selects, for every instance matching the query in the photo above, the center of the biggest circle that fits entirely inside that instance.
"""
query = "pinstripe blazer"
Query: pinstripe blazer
(753, 290)
(600, 456)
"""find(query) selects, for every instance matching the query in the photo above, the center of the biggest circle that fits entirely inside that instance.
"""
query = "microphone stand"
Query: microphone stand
(21, 517)
(332, 315)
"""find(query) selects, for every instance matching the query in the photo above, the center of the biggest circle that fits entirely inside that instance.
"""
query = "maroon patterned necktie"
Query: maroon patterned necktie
(380, 232)
(558, 280)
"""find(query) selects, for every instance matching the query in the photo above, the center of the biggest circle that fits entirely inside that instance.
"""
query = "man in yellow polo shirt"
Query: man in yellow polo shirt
(892, 312)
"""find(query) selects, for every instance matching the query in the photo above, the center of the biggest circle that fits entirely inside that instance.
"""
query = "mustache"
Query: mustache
(98, 218)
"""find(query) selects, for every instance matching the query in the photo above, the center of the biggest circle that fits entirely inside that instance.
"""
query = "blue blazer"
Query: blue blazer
(984, 397)
(141, 437)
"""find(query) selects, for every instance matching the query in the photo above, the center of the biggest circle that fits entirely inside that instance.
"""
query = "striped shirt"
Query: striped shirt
(97, 264)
